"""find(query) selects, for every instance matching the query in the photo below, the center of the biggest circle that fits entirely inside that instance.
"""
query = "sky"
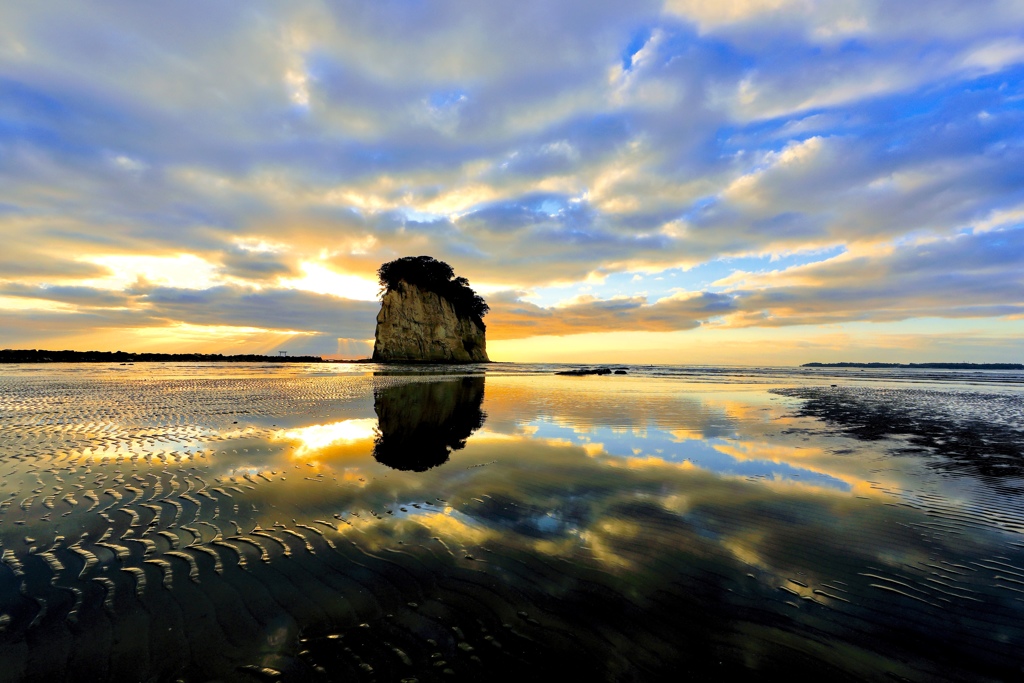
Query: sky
(679, 181)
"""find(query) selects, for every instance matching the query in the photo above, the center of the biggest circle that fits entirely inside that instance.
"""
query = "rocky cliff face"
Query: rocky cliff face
(421, 326)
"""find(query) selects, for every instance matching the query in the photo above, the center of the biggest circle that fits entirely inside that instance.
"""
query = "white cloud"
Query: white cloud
(710, 15)
(527, 143)
(996, 55)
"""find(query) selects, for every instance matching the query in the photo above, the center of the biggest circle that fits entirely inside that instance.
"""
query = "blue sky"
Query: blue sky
(744, 181)
(707, 453)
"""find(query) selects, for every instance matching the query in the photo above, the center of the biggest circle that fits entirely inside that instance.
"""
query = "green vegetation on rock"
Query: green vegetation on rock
(435, 276)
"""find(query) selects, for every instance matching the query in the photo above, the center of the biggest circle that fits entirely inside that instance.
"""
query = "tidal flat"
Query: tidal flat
(197, 522)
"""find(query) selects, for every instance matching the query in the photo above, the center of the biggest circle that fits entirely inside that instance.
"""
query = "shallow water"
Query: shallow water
(253, 522)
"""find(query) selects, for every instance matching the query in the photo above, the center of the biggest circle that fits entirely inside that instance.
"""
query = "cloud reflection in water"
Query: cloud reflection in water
(685, 524)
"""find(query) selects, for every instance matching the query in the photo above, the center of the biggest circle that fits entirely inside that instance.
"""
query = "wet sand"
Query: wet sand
(960, 432)
(260, 523)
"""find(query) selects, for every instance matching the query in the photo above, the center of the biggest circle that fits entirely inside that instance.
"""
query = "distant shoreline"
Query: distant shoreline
(921, 366)
(44, 356)
(11, 356)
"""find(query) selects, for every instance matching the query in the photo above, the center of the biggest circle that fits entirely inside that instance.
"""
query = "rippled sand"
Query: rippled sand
(259, 523)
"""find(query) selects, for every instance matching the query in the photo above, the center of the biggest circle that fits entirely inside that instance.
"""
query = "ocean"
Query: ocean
(247, 522)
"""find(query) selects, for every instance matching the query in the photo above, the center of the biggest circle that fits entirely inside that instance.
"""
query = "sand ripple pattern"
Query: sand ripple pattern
(155, 529)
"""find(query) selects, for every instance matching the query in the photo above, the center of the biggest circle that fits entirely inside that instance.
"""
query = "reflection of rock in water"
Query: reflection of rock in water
(422, 422)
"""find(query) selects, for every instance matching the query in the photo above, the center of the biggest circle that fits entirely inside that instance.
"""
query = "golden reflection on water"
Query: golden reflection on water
(355, 434)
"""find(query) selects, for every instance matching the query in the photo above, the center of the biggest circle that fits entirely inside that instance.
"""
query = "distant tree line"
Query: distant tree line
(438, 277)
(922, 366)
(44, 356)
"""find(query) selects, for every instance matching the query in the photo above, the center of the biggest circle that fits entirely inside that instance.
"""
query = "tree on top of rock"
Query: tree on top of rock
(432, 275)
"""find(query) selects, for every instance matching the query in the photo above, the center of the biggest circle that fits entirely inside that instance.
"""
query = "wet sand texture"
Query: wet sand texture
(974, 433)
(170, 529)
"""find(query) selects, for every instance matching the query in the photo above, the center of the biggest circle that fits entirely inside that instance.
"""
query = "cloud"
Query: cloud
(967, 276)
(272, 309)
(513, 318)
(254, 265)
(63, 311)
(831, 20)
(85, 297)
(527, 144)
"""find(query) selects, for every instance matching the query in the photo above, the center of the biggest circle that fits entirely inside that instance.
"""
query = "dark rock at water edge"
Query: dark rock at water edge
(582, 372)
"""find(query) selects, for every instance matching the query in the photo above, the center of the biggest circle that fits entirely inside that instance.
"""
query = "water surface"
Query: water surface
(211, 522)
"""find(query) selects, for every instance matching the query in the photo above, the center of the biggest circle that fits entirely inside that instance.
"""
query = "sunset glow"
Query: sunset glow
(316, 438)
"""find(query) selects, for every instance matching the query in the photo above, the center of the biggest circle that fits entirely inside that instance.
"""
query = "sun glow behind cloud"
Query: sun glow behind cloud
(13, 303)
(323, 280)
(185, 271)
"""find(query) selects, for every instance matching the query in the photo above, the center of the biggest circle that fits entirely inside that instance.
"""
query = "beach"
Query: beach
(192, 521)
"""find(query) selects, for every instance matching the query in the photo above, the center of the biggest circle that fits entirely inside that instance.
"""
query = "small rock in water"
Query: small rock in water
(580, 372)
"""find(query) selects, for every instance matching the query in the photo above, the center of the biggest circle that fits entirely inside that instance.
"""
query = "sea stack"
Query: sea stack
(427, 315)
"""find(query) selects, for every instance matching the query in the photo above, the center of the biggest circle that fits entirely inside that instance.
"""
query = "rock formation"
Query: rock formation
(426, 316)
